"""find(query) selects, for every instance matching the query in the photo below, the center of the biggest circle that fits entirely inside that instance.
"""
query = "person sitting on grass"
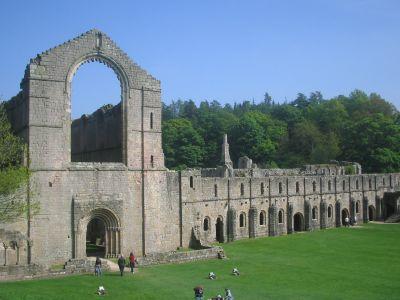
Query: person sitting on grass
(212, 276)
(198, 292)
(219, 297)
(235, 272)
(101, 291)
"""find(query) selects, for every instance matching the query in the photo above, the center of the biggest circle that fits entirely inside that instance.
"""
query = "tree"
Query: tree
(182, 144)
(14, 177)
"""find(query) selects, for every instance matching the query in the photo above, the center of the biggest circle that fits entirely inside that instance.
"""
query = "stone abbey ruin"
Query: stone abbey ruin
(101, 179)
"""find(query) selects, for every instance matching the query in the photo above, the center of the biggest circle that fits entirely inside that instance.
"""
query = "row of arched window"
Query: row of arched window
(280, 186)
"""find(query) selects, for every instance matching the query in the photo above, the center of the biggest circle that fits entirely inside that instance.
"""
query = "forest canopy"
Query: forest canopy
(308, 130)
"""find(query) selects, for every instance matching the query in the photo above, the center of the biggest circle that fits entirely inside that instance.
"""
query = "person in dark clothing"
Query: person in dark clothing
(121, 264)
(198, 292)
(97, 267)
(132, 262)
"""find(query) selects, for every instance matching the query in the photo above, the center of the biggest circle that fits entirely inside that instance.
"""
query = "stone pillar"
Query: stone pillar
(290, 218)
(378, 208)
(253, 214)
(365, 210)
(323, 216)
(272, 220)
(307, 216)
(231, 224)
(338, 216)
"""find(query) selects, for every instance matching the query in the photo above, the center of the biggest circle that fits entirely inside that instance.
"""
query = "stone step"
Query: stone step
(395, 218)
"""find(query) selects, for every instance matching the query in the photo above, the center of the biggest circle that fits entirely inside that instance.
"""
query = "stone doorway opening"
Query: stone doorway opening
(298, 222)
(219, 230)
(345, 214)
(96, 238)
(371, 213)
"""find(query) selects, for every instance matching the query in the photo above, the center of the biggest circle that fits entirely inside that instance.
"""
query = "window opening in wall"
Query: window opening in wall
(358, 207)
(329, 185)
(383, 181)
(280, 216)
(215, 190)
(241, 189)
(262, 188)
(344, 185)
(206, 224)
(191, 181)
(356, 184)
(151, 120)
(152, 161)
(297, 187)
(242, 220)
(330, 211)
(370, 184)
(314, 186)
(314, 213)
(262, 218)
(280, 187)
(96, 115)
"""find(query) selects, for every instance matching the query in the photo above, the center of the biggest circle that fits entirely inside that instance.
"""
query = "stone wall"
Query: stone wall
(98, 137)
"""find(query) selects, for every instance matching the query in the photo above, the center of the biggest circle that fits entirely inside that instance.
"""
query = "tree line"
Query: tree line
(308, 130)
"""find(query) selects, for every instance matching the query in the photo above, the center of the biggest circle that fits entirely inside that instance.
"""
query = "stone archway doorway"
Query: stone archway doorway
(219, 230)
(96, 238)
(371, 213)
(98, 233)
(345, 214)
(298, 222)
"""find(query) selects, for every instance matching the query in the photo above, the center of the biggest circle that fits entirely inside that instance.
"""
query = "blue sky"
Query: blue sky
(216, 50)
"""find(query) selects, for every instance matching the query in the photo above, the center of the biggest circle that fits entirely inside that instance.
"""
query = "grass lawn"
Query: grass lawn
(340, 263)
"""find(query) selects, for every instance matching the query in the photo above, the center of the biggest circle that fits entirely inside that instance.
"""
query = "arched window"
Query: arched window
(262, 218)
(383, 181)
(151, 120)
(215, 190)
(344, 185)
(191, 181)
(241, 189)
(152, 161)
(356, 184)
(297, 187)
(370, 183)
(330, 209)
(329, 185)
(280, 187)
(314, 213)
(262, 188)
(358, 207)
(280, 216)
(242, 220)
(314, 186)
(206, 224)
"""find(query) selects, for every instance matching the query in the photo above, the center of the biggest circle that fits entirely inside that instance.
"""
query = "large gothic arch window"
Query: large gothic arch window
(96, 96)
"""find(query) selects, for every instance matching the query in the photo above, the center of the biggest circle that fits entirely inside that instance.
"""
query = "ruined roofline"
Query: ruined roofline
(42, 54)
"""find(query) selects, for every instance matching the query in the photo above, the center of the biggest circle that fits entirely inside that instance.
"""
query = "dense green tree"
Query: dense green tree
(183, 146)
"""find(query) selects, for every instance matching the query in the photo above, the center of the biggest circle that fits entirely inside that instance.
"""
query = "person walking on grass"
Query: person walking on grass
(97, 267)
(132, 262)
(198, 292)
(121, 264)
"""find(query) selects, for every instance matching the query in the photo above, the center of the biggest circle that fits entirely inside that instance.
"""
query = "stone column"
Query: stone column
(290, 218)
(323, 217)
(231, 224)
(365, 210)
(307, 216)
(378, 208)
(253, 213)
(338, 216)
(272, 220)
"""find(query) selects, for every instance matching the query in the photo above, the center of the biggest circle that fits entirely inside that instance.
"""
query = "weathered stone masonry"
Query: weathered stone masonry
(79, 175)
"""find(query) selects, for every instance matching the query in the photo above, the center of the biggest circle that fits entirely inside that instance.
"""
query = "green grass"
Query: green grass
(341, 263)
